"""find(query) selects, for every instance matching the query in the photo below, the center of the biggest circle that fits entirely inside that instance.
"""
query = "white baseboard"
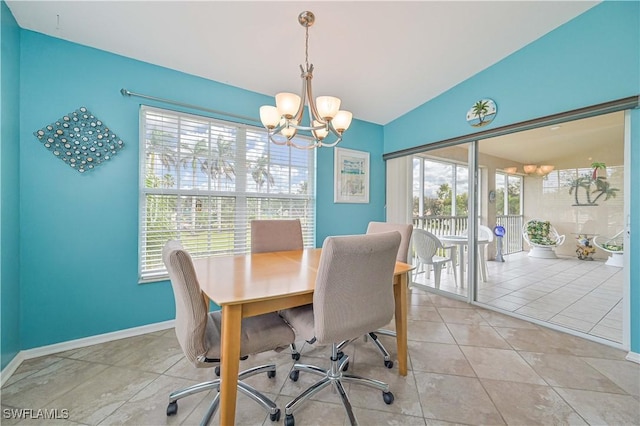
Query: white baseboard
(11, 368)
(633, 356)
(6, 372)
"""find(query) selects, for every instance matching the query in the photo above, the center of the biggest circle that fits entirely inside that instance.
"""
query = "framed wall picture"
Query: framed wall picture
(351, 176)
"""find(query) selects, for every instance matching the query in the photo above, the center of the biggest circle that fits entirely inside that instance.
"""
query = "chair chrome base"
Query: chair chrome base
(254, 394)
(334, 376)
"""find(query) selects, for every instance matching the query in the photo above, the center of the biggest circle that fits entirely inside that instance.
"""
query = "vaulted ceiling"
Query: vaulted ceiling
(382, 58)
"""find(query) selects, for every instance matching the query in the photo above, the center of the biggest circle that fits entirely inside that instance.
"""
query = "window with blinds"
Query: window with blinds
(203, 180)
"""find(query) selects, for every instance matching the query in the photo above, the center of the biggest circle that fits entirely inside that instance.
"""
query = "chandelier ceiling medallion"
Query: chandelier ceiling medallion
(325, 117)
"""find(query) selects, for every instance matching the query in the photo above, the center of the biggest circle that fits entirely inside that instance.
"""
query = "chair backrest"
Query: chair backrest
(276, 235)
(539, 232)
(485, 233)
(354, 285)
(405, 236)
(191, 310)
(425, 245)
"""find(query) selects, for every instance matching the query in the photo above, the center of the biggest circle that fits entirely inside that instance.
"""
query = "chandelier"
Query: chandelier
(325, 116)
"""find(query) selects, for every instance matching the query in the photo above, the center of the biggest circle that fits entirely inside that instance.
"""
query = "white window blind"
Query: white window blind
(203, 180)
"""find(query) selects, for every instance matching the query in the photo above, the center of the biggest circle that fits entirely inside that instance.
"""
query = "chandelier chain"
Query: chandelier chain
(306, 47)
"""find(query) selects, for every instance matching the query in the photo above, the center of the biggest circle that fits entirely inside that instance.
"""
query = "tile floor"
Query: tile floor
(467, 365)
(585, 296)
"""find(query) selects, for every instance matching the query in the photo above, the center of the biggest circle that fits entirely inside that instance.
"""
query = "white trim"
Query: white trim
(626, 236)
(80, 343)
(11, 368)
(633, 357)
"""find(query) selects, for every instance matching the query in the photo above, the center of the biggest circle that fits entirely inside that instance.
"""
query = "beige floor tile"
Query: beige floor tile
(424, 313)
(461, 316)
(551, 341)
(569, 371)
(112, 352)
(599, 408)
(426, 331)
(455, 399)
(477, 335)
(497, 319)
(30, 366)
(530, 404)
(625, 374)
(156, 356)
(403, 388)
(439, 358)
(314, 413)
(149, 406)
(572, 323)
(500, 364)
(248, 412)
(372, 416)
(100, 396)
(39, 389)
(445, 302)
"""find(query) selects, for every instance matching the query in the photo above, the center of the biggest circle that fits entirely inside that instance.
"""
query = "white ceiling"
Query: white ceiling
(382, 59)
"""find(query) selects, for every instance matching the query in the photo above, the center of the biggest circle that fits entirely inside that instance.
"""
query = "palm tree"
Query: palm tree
(157, 146)
(194, 155)
(261, 174)
(480, 109)
(604, 188)
(220, 165)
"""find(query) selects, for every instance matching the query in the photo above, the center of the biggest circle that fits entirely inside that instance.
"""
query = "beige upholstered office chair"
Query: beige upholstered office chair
(405, 231)
(426, 247)
(269, 235)
(353, 294)
(198, 333)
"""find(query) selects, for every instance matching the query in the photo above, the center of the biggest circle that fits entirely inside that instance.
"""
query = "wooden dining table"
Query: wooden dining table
(254, 284)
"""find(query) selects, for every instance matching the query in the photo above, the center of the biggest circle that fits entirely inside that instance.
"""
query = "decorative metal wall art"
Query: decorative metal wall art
(80, 139)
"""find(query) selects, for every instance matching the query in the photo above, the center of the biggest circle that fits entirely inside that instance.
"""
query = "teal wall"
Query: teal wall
(77, 268)
(79, 233)
(592, 59)
(9, 186)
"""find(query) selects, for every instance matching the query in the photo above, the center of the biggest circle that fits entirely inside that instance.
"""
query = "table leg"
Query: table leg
(230, 365)
(400, 296)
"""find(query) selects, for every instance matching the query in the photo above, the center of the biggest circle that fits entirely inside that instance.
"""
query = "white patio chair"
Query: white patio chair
(614, 246)
(426, 247)
(542, 238)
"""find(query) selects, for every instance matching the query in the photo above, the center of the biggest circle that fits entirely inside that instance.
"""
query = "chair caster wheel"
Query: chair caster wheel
(275, 417)
(271, 374)
(294, 375)
(346, 366)
(217, 371)
(387, 397)
(172, 408)
(388, 364)
(340, 355)
(295, 356)
(288, 420)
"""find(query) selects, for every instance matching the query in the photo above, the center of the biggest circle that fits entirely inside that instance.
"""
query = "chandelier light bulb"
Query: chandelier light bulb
(287, 104)
(327, 107)
(269, 116)
(289, 129)
(342, 121)
(320, 134)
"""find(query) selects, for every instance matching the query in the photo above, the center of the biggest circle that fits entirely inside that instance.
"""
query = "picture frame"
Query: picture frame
(351, 176)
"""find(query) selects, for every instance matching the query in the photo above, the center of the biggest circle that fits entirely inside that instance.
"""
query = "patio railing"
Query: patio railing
(441, 225)
(512, 241)
(454, 225)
